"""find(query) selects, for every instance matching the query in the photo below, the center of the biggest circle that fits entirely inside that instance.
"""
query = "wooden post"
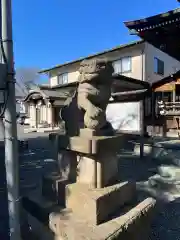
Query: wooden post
(36, 116)
(164, 126)
(174, 96)
(153, 111)
(142, 126)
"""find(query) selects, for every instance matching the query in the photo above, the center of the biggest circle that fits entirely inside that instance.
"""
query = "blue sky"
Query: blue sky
(50, 32)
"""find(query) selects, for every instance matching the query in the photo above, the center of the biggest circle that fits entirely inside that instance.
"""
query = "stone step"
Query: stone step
(176, 161)
(53, 188)
(164, 183)
(147, 149)
(162, 195)
(169, 171)
(39, 230)
(157, 178)
(37, 210)
(96, 205)
(38, 206)
(154, 150)
(167, 152)
(134, 223)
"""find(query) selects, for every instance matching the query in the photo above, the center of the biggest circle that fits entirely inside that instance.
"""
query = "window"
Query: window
(117, 66)
(158, 66)
(126, 64)
(63, 78)
(122, 65)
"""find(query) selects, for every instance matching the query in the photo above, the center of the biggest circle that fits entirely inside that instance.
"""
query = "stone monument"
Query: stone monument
(97, 205)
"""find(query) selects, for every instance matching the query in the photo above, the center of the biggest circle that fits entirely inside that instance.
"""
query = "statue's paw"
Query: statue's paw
(94, 112)
(95, 122)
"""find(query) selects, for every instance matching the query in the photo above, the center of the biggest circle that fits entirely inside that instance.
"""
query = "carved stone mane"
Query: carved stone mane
(87, 107)
(94, 92)
(70, 114)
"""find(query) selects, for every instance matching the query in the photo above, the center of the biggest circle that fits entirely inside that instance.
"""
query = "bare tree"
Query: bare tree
(27, 77)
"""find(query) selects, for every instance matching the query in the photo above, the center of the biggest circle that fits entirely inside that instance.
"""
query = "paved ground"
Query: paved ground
(33, 163)
(166, 223)
(36, 161)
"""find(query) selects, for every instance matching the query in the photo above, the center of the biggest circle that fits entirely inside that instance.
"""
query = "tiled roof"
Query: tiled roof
(155, 21)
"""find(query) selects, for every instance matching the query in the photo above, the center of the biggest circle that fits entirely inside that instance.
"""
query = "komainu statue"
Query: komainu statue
(87, 107)
(94, 92)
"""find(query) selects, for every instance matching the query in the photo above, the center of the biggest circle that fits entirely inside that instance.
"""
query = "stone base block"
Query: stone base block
(93, 145)
(95, 205)
(53, 188)
(132, 225)
(89, 133)
(39, 230)
(98, 171)
(170, 171)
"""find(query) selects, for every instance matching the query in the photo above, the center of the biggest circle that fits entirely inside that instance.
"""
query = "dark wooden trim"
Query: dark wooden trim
(153, 110)
(154, 21)
(161, 30)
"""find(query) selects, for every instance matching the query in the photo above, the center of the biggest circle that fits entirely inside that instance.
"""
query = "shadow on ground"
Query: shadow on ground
(37, 160)
(34, 161)
(166, 223)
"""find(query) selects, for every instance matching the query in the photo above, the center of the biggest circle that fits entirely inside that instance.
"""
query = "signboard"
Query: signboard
(124, 116)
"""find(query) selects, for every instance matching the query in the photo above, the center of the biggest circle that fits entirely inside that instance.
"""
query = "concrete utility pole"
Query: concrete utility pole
(11, 144)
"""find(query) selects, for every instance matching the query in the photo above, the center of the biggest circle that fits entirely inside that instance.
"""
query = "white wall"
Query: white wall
(72, 77)
(124, 116)
(20, 107)
(72, 71)
(53, 80)
(170, 64)
(142, 64)
(135, 52)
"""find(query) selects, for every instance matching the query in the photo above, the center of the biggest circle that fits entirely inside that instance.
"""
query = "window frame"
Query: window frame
(114, 62)
(61, 76)
(156, 66)
(121, 64)
(130, 58)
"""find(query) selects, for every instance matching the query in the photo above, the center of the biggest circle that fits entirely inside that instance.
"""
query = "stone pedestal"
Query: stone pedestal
(97, 206)
(53, 188)
(133, 224)
(97, 171)
(97, 163)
